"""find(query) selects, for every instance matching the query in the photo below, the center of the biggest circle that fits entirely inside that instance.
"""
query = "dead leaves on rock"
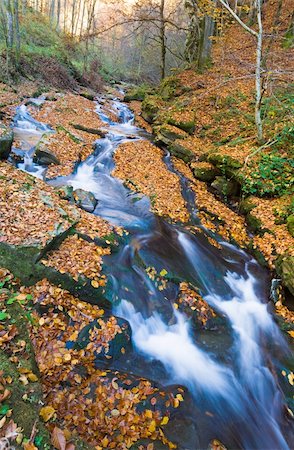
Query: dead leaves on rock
(140, 165)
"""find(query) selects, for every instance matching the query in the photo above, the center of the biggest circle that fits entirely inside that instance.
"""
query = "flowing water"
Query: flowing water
(231, 376)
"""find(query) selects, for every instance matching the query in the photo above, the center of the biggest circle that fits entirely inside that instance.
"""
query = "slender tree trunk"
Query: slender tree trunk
(258, 120)
(162, 39)
(17, 31)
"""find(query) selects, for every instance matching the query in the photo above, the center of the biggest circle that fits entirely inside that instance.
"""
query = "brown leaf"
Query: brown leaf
(58, 439)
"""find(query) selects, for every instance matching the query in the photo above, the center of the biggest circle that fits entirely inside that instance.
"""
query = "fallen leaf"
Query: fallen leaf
(47, 412)
(58, 439)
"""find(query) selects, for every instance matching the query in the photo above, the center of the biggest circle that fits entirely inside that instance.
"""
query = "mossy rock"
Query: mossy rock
(221, 161)
(207, 174)
(6, 140)
(95, 131)
(254, 223)
(227, 188)
(189, 126)
(169, 88)
(150, 108)
(24, 263)
(138, 93)
(285, 269)
(290, 224)
(166, 136)
(181, 152)
(246, 205)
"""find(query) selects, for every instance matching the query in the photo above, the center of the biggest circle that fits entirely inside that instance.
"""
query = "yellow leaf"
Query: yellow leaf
(148, 413)
(164, 420)
(104, 442)
(32, 377)
(95, 283)
(152, 426)
(47, 412)
(291, 333)
(163, 272)
(180, 397)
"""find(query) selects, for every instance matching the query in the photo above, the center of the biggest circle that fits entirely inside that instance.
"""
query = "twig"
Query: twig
(266, 145)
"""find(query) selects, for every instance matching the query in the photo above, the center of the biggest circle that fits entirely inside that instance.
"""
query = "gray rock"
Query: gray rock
(6, 140)
(85, 200)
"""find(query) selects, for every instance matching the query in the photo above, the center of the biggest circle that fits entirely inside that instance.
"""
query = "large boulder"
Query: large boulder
(285, 269)
(225, 187)
(85, 200)
(150, 108)
(204, 171)
(6, 140)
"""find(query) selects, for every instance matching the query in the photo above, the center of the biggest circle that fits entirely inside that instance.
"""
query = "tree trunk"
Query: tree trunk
(258, 120)
(17, 31)
(162, 39)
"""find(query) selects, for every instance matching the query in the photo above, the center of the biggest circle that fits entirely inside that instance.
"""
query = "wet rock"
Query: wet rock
(225, 187)
(183, 432)
(96, 131)
(6, 140)
(118, 345)
(285, 269)
(181, 152)
(85, 200)
(143, 443)
(44, 157)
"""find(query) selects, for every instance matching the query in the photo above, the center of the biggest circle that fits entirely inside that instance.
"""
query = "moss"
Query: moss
(221, 161)
(181, 152)
(23, 263)
(205, 173)
(150, 108)
(290, 224)
(166, 136)
(285, 269)
(189, 126)
(138, 93)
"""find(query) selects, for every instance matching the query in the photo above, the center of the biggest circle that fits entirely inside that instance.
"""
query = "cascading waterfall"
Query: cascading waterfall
(242, 391)
(29, 132)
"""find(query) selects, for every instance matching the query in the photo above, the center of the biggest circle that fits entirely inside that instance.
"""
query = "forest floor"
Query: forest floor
(51, 251)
